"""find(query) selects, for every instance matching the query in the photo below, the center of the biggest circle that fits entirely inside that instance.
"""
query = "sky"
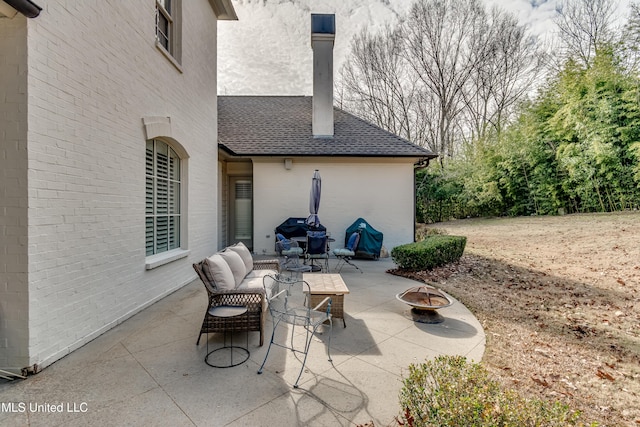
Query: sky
(268, 51)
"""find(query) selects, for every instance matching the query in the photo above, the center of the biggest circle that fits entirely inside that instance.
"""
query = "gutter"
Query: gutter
(25, 7)
(423, 163)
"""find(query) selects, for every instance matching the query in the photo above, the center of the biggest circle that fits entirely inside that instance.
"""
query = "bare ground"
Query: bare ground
(559, 299)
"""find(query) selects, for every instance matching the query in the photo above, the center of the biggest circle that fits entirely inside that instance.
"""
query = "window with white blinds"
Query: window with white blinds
(243, 222)
(162, 213)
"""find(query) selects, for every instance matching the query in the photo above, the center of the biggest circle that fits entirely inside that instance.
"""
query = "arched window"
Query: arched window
(163, 190)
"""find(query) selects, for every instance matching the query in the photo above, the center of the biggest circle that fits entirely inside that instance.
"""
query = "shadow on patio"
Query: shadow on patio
(149, 369)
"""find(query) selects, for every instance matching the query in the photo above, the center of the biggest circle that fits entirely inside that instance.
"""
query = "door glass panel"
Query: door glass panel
(243, 221)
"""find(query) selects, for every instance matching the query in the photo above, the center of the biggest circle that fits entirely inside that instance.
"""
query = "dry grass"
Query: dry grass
(559, 299)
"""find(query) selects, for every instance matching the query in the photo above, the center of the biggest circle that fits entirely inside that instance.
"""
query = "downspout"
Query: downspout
(420, 164)
(415, 202)
(25, 7)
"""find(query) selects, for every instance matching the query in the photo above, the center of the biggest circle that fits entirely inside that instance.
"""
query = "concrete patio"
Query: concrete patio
(149, 371)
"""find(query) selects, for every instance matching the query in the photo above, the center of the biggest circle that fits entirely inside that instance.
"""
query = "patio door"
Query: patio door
(241, 211)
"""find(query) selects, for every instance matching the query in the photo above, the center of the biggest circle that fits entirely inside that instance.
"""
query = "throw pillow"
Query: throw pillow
(236, 264)
(244, 253)
(352, 244)
(286, 245)
(221, 273)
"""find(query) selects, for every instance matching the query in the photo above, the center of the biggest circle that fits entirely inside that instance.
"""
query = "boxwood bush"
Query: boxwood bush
(448, 391)
(433, 251)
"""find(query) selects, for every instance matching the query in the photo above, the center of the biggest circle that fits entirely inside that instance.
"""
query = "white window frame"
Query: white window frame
(172, 252)
(173, 38)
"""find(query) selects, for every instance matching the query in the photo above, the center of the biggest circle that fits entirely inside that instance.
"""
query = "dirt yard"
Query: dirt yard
(559, 299)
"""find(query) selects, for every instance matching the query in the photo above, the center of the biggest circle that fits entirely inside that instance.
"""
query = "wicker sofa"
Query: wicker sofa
(233, 277)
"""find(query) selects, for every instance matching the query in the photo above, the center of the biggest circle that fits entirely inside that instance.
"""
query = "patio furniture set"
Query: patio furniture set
(314, 250)
(240, 290)
(297, 238)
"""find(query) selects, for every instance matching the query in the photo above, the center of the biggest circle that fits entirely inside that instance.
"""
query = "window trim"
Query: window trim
(153, 261)
(159, 127)
(160, 181)
(174, 36)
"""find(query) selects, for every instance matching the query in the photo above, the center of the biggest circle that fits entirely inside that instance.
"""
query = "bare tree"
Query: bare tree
(585, 26)
(631, 40)
(444, 44)
(376, 84)
(507, 73)
(448, 72)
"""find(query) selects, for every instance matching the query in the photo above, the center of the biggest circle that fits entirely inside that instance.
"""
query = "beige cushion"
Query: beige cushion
(244, 253)
(207, 273)
(255, 281)
(251, 283)
(259, 274)
(221, 273)
(235, 264)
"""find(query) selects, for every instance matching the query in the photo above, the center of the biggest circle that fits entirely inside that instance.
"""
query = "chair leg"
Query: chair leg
(306, 352)
(348, 261)
(266, 356)
(202, 328)
(309, 338)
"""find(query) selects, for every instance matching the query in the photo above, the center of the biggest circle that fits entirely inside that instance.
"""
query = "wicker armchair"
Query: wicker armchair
(252, 298)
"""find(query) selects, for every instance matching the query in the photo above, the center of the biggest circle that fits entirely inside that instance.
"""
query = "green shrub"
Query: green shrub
(448, 391)
(433, 251)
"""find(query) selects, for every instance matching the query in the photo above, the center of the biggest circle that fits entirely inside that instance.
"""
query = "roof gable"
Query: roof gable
(281, 126)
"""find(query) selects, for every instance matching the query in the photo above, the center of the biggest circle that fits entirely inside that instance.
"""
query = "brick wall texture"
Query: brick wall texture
(73, 190)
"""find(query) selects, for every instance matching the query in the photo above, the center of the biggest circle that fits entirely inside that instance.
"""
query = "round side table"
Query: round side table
(228, 315)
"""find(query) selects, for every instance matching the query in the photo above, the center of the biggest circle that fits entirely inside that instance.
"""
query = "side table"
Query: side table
(327, 285)
(229, 313)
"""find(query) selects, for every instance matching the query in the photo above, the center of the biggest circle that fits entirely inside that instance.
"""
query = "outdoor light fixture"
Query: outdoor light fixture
(288, 164)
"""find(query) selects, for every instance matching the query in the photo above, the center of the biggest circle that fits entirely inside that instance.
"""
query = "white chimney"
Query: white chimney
(323, 31)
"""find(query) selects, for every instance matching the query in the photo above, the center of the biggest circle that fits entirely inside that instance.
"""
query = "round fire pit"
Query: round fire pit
(424, 301)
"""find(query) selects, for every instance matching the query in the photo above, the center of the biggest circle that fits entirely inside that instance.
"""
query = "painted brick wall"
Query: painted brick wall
(14, 295)
(94, 73)
(378, 190)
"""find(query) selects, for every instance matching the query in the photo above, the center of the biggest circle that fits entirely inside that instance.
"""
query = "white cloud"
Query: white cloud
(267, 51)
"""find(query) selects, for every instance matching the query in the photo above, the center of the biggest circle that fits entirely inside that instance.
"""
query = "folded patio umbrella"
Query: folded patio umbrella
(314, 200)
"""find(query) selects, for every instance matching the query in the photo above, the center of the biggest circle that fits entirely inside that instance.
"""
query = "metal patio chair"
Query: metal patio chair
(346, 254)
(289, 253)
(288, 305)
(317, 250)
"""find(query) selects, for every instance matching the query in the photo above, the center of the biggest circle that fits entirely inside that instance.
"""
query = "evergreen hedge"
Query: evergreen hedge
(433, 251)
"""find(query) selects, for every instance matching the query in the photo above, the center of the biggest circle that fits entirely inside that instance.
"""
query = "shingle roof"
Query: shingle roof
(281, 126)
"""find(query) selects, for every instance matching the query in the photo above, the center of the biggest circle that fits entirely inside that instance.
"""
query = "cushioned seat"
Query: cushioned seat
(290, 253)
(232, 278)
(346, 254)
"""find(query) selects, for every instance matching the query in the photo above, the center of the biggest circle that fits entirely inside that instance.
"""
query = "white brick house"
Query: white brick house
(108, 165)
(271, 145)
